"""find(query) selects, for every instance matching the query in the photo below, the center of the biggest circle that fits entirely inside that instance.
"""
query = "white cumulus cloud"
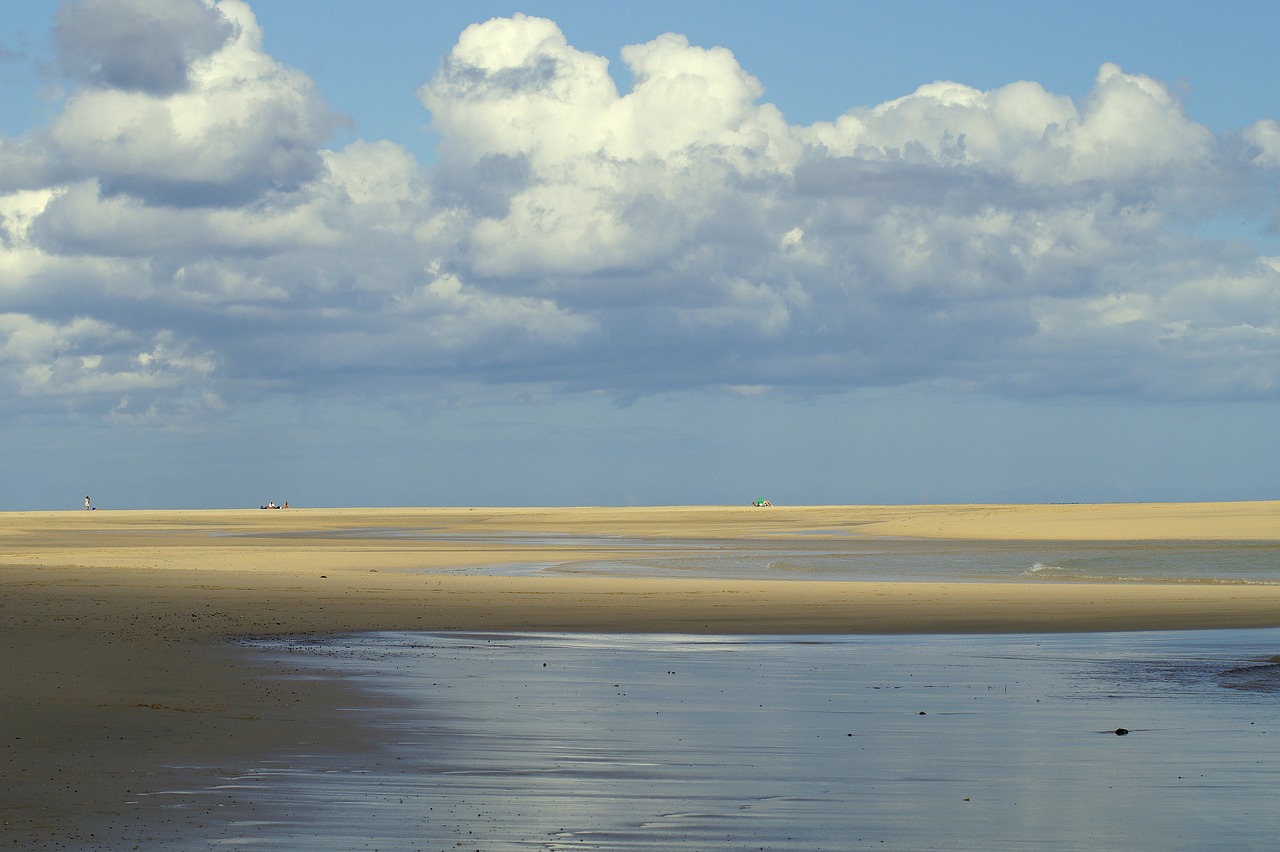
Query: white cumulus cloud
(182, 237)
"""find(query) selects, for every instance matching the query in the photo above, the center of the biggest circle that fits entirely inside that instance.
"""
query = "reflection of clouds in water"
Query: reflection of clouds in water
(789, 743)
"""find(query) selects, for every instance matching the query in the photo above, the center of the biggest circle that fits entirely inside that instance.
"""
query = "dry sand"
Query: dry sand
(114, 624)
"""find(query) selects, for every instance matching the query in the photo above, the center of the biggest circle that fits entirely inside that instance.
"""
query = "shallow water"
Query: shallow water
(552, 741)
(961, 561)
(825, 555)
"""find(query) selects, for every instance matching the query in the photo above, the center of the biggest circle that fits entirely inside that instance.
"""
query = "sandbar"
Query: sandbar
(115, 626)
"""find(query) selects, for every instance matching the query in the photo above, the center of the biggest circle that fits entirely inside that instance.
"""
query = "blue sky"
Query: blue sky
(487, 253)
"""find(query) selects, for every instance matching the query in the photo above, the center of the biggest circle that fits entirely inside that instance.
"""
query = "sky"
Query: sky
(487, 253)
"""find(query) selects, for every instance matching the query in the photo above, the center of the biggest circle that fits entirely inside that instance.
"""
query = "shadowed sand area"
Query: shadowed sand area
(113, 625)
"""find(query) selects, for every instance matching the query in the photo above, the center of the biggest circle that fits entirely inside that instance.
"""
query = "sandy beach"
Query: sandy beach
(115, 625)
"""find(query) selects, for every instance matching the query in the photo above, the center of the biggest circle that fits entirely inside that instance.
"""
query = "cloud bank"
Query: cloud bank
(179, 239)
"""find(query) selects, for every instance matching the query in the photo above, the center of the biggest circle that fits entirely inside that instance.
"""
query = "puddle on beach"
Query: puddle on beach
(550, 741)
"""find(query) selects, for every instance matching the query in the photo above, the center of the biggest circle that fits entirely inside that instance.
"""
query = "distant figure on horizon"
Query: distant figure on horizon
(86, 503)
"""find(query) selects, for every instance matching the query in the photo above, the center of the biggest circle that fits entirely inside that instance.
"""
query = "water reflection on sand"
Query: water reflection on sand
(549, 741)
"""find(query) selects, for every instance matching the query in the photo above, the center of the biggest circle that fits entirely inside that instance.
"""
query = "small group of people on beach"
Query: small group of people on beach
(272, 505)
(761, 503)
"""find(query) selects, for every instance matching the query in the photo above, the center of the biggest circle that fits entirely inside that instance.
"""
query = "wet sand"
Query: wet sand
(114, 625)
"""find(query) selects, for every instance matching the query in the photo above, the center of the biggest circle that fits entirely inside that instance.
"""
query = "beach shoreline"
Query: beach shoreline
(116, 625)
